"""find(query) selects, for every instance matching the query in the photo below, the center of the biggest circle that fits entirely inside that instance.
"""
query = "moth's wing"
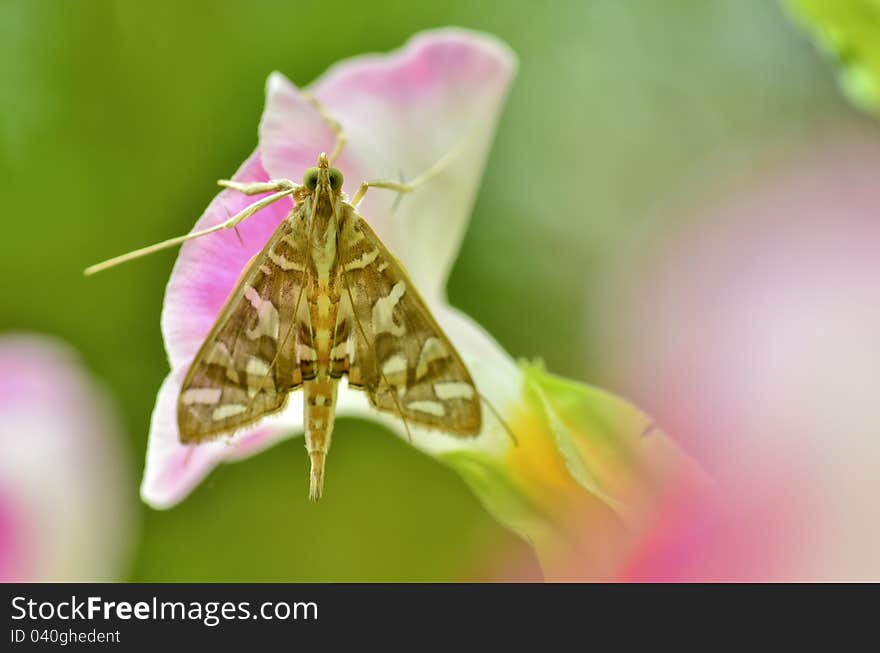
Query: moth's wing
(396, 351)
(248, 363)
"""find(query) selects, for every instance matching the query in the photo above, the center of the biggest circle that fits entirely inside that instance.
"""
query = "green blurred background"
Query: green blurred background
(117, 117)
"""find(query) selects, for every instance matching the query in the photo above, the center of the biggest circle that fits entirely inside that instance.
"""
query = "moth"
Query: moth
(322, 300)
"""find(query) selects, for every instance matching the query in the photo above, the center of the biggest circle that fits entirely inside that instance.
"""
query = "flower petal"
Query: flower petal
(208, 268)
(64, 512)
(610, 447)
(402, 112)
(293, 133)
(449, 85)
(205, 273)
(588, 475)
(173, 469)
(586, 480)
(767, 368)
(581, 459)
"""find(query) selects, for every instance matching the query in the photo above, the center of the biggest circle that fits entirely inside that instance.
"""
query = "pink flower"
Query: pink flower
(64, 511)
(755, 339)
(402, 112)
(581, 461)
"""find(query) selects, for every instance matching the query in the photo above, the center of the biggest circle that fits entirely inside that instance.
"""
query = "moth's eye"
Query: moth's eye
(335, 179)
(310, 179)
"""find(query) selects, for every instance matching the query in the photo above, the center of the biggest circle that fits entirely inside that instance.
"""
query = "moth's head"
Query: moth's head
(323, 176)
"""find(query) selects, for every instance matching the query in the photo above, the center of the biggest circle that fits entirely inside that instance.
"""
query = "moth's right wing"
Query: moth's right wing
(394, 349)
(248, 364)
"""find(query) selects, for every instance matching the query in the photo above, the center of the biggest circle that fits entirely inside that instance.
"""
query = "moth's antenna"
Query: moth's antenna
(286, 187)
(399, 195)
(407, 187)
(499, 418)
(331, 122)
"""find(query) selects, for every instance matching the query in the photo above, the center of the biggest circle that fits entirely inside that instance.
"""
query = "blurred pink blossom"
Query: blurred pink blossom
(65, 513)
(753, 335)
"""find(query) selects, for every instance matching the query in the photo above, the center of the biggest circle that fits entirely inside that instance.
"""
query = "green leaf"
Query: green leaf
(849, 32)
(585, 480)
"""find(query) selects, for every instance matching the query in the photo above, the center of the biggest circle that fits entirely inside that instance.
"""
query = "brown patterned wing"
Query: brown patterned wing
(397, 353)
(248, 365)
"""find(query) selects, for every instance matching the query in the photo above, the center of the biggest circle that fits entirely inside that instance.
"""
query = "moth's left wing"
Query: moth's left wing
(248, 364)
(394, 349)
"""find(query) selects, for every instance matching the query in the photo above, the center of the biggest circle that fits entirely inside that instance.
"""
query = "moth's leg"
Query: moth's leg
(498, 417)
(257, 187)
(407, 187)
(398, 186)
(171, 242)
(331, 122)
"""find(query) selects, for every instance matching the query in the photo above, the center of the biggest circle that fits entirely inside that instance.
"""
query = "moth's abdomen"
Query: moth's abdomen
(320, 390)
(320, 410)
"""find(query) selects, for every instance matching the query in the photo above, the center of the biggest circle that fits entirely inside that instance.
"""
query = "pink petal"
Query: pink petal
(62, 469)
(16, 538)
(207, 268)
(293, 133)
(402, 112)
(203, 277)
(173, 469)
(753, 337)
